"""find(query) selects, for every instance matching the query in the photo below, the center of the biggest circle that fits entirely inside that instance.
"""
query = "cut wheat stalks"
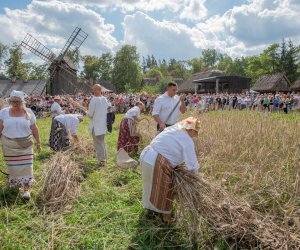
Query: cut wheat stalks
(61, 183)
(230, 217)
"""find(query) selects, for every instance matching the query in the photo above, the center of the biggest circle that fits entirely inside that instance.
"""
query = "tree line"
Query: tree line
(126, 69)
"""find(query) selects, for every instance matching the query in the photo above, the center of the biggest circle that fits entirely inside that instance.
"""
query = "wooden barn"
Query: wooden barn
(215, 81)
(296, 86)
(272, 84)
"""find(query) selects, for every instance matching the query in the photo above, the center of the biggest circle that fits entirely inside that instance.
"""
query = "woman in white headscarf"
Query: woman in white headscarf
(172, 147)
(62, 127)
(17, 130)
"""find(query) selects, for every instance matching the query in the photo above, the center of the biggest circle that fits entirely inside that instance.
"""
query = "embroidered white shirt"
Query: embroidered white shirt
(163, 107)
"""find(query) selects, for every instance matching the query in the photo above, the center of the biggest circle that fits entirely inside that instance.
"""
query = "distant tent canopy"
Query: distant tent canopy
(215, 81)
(272, 83)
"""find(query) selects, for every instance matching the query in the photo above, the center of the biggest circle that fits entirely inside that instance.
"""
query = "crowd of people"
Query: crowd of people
(173, 145)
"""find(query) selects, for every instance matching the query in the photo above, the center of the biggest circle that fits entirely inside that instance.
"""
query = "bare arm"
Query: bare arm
(36, 135)
(182, 105)
(162, 126)
(1, 127)
(137, 118)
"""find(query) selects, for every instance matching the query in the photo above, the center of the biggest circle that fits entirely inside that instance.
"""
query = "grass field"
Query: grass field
(253, 155)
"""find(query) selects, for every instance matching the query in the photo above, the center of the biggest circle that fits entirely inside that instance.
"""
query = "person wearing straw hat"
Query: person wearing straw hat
(172, 147)
(167, 107)
(98, 113)
(128, 138)
(62, 127)
(55, 107)
(17, 130)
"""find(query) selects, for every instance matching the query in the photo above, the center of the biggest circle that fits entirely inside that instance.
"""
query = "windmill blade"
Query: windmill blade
(74, 42)
(37, 48)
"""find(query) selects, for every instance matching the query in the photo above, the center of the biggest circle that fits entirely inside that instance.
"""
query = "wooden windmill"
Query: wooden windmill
(62, 70)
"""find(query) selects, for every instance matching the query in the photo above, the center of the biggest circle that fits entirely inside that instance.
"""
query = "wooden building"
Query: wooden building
(272, 83)
(215, 81)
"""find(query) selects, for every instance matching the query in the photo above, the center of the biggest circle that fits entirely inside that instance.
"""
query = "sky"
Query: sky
(178, 29)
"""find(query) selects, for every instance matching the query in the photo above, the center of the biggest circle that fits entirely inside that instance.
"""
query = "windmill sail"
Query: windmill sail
(37, 48)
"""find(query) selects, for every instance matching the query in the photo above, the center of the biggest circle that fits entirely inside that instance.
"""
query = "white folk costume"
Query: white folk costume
(170, 148)
(128, 138)
(17, 145)
(62, 126)
(163, 107)
(56, 108)
(98, 113)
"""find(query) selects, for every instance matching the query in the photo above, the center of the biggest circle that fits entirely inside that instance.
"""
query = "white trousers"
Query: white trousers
(100, 148)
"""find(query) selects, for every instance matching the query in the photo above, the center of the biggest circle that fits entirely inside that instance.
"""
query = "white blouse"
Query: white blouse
(135, 111)
(16, 127)
(176, 146)
(70, 121)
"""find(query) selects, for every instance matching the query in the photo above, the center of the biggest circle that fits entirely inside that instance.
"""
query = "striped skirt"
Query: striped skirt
(126, 141)
(158, 188)
(18, 155)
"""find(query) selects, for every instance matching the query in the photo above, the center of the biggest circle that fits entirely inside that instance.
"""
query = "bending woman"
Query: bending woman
(17, 129)
(128, 138)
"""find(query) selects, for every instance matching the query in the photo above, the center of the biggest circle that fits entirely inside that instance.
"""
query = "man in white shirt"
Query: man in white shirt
(172, 147)
(164, 106)
(56, 108)
(98, 113)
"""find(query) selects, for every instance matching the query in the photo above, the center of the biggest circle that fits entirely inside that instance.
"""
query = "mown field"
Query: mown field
(253, 155)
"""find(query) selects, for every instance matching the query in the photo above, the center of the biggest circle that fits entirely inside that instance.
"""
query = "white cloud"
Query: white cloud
(161, 38)
(194, 10)
(52, 22)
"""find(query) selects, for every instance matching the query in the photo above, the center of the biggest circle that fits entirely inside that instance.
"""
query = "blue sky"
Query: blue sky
(178, 29)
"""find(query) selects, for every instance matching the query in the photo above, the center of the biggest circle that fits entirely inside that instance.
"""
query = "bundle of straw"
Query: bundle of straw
(81, 148)
(229, 217)
(61, 183)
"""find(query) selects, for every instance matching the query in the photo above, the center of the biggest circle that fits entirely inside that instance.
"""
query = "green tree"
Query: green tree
(238, 67)
(210, 57)
(15, 66)
(291, 63)
(3, 53)
(225, 62)
(178, 68)
(126, 69)
(105, 67)
(196, 65)
(154, 72)
(91, 67)
(38, 72)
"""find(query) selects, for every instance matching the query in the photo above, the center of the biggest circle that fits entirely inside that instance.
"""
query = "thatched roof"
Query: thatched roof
(150, 80)
(179, 81)
(30, 87)
(272, 83)
(296, 86)
(189, 87)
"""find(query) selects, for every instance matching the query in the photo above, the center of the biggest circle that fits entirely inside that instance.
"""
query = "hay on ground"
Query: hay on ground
(61, 183)
(230, 217)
